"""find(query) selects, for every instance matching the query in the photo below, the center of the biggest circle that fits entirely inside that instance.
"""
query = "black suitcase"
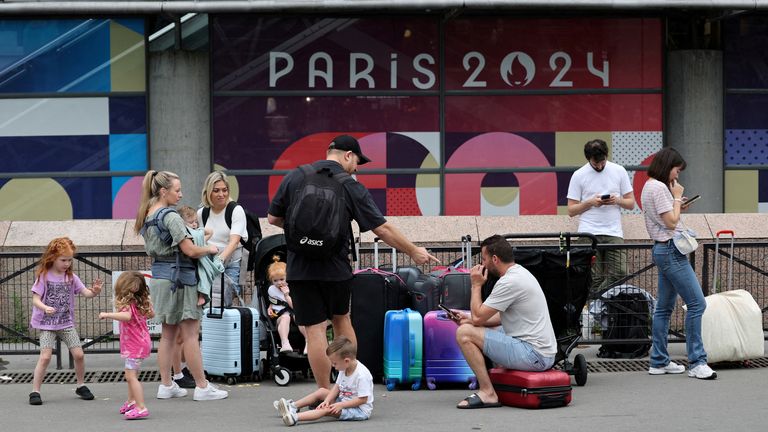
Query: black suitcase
(456, 291)
(425, 293)
(374, 292)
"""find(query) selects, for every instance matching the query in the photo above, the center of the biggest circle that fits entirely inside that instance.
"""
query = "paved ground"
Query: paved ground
(626, 401)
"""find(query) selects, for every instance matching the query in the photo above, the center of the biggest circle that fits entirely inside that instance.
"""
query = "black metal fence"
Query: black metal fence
(17, 272)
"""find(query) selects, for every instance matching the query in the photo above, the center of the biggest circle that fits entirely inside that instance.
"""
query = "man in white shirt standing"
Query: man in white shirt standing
(597, 193)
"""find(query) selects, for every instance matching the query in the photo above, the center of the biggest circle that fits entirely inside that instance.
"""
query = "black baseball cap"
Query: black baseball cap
(348, 143)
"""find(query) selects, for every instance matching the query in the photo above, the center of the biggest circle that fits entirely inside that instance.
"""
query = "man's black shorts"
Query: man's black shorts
(317, 301)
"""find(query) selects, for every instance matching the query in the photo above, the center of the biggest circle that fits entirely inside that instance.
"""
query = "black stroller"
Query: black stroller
(565, 275)
(282, 365)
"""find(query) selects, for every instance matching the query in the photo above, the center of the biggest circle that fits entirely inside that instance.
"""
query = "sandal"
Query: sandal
(136, 413)
(474, 402)
(127, 406)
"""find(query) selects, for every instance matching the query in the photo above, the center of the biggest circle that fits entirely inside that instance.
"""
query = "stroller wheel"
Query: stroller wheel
(282, 376)
(580, 369)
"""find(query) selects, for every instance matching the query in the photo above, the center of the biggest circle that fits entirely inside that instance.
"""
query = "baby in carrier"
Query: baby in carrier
(280, 303)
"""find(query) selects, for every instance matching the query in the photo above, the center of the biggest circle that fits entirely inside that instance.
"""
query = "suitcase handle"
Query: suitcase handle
(220, 314)
(717, 259)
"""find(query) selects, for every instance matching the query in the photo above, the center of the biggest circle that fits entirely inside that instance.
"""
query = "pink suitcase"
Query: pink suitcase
(522, 389)
(443, 360)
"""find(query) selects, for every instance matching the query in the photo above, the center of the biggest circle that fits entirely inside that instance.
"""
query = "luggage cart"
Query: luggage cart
(564, 271)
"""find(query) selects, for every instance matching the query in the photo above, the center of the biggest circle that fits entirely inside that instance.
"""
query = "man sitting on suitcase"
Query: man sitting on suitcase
(526, 340)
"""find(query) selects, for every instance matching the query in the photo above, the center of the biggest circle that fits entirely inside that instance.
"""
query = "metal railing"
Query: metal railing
(17, 273)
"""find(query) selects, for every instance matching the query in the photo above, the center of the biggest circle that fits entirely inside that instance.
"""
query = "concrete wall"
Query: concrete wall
(179, 120)
(695, 122)
(109, 235)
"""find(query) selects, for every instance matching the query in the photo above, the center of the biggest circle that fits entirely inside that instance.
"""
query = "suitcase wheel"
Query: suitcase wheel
(231, 380)
(431, 383)
(416, 385)
(473, 383)
(390, 384)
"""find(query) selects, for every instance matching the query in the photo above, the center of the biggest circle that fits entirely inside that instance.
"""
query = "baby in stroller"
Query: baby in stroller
(280, 304)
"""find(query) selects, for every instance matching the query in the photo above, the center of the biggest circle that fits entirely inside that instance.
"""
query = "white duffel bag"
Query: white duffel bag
(732, 327)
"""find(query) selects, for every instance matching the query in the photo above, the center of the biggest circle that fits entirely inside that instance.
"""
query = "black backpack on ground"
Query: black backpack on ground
(628, 318)
(318, 214)
(252, 227)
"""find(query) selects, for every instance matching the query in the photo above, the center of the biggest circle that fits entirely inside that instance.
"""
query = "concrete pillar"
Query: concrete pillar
(179, 118)
(694, 123)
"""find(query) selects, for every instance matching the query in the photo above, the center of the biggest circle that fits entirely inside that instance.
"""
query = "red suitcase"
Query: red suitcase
(522, 389)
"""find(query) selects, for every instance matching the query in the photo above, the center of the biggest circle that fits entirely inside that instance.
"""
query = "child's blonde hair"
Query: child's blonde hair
(343, 347)
(60, 246)
(187, 211)
(276, 269)
(124, 295)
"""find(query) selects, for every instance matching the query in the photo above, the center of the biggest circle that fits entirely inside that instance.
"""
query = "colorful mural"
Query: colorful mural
(48, 126)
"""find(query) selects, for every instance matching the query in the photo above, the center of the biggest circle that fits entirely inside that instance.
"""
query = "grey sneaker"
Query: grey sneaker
(171, 391)
(671, 368)
(282, 409)
(290, 418)
(284, 406)
(211, 392)
(702, 371)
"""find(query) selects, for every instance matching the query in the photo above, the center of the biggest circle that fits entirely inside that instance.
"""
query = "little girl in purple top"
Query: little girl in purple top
(134, 308)
(53, 314)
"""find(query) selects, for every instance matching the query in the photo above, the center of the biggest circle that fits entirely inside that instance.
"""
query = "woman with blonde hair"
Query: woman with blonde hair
(227, 233)
(173, 286)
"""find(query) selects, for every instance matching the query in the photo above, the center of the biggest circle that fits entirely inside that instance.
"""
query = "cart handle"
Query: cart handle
(722, 232)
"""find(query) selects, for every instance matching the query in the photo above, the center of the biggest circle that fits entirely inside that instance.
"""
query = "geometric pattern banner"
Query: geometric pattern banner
(74, 134)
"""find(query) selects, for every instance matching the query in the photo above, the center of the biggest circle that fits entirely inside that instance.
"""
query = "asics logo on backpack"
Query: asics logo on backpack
(310, 242)
(318, 217)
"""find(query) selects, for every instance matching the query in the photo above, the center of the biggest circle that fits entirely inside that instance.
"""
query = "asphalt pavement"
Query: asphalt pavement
(610, 401)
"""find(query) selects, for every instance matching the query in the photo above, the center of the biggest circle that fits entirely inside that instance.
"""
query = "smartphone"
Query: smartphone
(605, 197)
(690, 201)
(451, 314)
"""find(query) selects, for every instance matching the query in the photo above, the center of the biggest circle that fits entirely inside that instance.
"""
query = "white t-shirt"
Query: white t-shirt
(586, 183)
(221, 231)
(357, 385)
(275, 292)
(524, 314)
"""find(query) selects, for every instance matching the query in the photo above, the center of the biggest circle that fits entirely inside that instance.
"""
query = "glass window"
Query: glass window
(73, 111)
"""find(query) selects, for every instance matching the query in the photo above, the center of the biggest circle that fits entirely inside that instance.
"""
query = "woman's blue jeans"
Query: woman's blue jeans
(676, 277)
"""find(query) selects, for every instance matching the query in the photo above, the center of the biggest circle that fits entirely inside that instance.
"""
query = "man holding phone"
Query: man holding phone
(526, 340)
(597, 193)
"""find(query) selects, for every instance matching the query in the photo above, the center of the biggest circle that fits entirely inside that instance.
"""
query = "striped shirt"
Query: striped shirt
(656, 200)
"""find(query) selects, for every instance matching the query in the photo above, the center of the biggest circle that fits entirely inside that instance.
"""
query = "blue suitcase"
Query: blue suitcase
(402, 348)
(231, 337)
(230, 346)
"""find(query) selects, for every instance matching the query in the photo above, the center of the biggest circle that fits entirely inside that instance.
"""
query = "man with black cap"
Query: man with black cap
(321, 287)
(597, 192)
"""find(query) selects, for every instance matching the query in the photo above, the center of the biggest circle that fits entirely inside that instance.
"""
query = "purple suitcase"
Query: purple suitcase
(443, 360)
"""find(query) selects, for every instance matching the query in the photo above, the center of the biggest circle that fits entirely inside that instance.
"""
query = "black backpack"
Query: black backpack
(251, 226)
(318, 214)
(628, 318)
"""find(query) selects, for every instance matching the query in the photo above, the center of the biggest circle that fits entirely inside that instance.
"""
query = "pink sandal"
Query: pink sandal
(135, 414)
(127, 406)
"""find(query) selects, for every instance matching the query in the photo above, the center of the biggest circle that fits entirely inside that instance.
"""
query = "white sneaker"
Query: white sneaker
(171, 391)
(210, 392)
(284, 405)
(671, 368)
(290, 418)
(702, 371)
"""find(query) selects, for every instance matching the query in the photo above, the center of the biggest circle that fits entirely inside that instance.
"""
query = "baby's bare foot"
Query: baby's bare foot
(200, 300)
